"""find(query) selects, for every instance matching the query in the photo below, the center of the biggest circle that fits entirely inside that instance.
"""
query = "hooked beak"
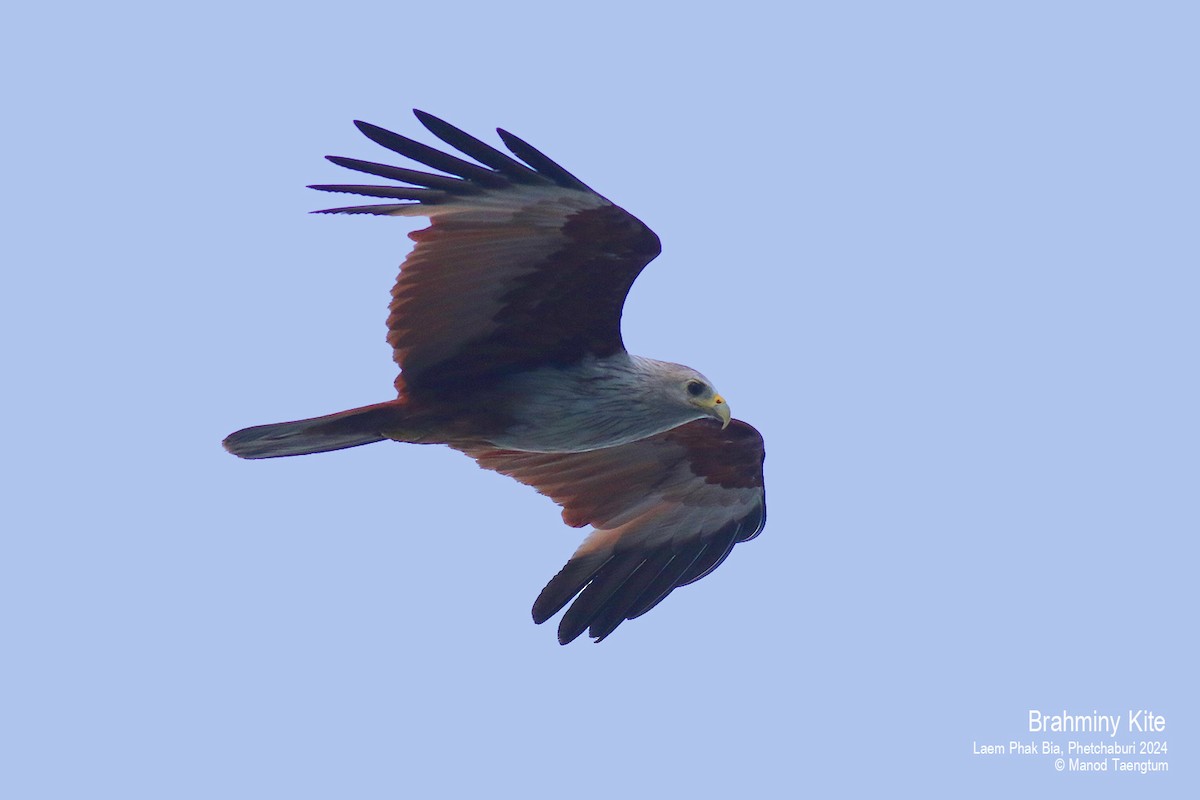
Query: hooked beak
(720, 410)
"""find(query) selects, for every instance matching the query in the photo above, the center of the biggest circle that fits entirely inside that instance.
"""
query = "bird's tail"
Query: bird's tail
(351, 428)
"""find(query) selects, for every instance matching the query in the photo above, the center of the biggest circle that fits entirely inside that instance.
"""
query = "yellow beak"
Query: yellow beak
(721, 411)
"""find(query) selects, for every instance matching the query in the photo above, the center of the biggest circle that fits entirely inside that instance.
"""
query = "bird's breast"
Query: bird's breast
(587, 406)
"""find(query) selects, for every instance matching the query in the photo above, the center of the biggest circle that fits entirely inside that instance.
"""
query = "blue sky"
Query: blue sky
(943, 257)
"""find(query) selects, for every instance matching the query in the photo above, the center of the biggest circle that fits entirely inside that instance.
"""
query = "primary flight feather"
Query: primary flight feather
(505, 322)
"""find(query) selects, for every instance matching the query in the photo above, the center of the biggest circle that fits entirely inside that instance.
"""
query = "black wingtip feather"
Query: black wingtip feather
(427, 196)
(480, 151)
(715, 555)
(606, 591)
(541, 162)
(667, 580)
(415, 177)
(605, 583)
(616, 611)
(565, 585)
(430, 157)
(388, 210)
(751, 531)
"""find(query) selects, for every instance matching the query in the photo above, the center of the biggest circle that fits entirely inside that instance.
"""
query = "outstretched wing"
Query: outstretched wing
(522, 266)
(666, 510)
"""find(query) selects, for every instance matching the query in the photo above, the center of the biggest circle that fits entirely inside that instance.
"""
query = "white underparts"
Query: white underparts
(597, 403)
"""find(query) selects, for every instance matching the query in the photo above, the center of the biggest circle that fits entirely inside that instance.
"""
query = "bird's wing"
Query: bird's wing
(522, 266)
(666, 511)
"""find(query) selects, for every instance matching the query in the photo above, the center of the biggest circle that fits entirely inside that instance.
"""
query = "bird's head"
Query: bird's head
(699, 393)
(676, 393)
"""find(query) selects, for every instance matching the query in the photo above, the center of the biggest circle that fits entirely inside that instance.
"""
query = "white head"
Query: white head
(604, 403)
(685, 389)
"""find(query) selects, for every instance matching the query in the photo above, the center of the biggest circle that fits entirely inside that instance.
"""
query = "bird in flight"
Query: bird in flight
(505, 322)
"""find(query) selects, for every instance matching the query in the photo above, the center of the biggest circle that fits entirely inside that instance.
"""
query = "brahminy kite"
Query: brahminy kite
(505, 322)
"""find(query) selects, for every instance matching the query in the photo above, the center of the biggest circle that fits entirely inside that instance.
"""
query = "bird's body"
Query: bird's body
(505, 321)
(599, 402)
(596, 403)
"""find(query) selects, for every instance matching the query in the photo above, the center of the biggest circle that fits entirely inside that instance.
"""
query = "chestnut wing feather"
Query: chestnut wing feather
(522, 266)
(666, 511)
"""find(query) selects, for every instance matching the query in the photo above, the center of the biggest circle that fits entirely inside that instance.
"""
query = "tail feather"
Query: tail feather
(352, 428)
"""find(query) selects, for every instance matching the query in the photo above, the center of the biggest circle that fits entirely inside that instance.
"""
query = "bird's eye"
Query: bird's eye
(695, 388)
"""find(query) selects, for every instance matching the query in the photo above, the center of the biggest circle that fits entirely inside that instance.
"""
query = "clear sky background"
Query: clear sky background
(944, 257)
